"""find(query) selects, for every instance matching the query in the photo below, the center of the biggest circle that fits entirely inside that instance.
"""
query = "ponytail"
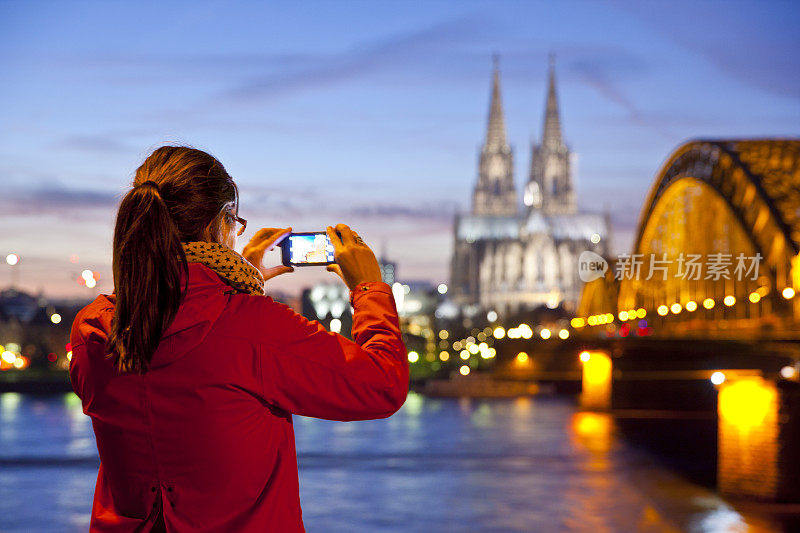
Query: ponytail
(148, 258)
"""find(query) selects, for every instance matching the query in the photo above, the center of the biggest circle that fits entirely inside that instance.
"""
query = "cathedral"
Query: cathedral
(511, 256)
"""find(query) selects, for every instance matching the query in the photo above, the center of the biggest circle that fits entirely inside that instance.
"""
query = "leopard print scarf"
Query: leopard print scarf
(234, 269)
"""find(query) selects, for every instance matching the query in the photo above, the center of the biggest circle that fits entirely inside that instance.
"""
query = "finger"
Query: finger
(269, 273)
(336, 269)
(265, 233)
(334, 237)
(347, 233)
(273, 240)
(260, 235)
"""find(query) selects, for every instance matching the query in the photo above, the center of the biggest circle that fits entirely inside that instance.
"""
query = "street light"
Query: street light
(12, 260)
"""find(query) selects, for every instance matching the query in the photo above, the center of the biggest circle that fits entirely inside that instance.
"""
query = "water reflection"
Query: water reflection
(526, 464)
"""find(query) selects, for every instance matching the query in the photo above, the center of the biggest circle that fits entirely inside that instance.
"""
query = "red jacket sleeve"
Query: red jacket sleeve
(310, 371)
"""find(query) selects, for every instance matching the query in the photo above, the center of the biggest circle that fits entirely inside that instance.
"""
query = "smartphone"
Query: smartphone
(307, 249)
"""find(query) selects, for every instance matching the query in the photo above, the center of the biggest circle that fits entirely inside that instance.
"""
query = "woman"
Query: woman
(191, 374)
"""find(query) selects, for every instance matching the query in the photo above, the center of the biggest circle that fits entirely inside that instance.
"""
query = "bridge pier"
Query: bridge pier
(759, 439)
(757, 426)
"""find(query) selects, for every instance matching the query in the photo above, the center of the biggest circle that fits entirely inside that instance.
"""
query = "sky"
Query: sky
(366, 113)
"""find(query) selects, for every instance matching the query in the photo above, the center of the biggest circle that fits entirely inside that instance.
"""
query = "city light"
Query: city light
(662, 310)
(584, 356)
(91, 282)
(577, 322)
(691, 306)
(525, 331)
(336, 325)
(623, 316)
(595, 238)
(641, 312)
(545, 333)
(444, 356)
(444, 334)
(442, 288)
(55, 318)
(87, 274)
(491, 316)
(676, 308)
(522, 357)
(464, 354)
(788, 293)
(12, 259)
(563, 334)
(754, 297)
(788, 372)
(9, 357)
(413, 357)
(464, 370)
(708, 303)
(729, 300)
(499, 333)
(717, 378)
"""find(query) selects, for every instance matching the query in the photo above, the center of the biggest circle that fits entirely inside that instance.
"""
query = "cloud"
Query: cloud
(108, 143)
(605, 72)
(334, 68)
(755, 43)
(50, 196)
(442, 211)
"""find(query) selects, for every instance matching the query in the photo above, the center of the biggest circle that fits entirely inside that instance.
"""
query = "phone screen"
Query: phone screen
(307, 248)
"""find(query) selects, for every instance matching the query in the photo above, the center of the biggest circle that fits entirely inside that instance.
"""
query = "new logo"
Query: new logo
(591, 266)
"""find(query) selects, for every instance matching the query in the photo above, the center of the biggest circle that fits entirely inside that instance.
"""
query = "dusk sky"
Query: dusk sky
(367, 113)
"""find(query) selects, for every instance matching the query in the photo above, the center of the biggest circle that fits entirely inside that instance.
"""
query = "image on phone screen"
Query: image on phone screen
(310, 248)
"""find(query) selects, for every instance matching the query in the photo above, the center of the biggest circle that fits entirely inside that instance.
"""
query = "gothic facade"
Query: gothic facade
(507, 256)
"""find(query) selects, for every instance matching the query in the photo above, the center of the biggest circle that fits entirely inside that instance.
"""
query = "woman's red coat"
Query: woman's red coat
(206, 434)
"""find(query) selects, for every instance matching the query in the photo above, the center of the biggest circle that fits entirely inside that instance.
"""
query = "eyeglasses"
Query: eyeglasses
(241, 221)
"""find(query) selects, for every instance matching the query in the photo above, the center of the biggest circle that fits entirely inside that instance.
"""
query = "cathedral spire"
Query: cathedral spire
(552, 122)
(496, 131)
(495, 194)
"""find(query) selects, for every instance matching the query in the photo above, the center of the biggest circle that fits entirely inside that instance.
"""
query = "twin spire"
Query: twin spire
(496, 131)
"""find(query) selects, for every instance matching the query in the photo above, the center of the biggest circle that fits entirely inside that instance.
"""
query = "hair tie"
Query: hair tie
(150, 183)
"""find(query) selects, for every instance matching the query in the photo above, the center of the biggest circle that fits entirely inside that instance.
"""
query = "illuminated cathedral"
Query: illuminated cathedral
(510, 256)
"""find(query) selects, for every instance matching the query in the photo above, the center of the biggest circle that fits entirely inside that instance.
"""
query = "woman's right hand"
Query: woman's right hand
(355, 262)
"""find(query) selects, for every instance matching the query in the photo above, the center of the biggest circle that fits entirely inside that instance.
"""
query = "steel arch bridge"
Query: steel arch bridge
(716, 250)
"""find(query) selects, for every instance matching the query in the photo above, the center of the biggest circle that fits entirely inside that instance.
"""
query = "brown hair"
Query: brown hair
(177, 192)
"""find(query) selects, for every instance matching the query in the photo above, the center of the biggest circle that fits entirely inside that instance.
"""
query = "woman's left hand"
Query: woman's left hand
(264, 240)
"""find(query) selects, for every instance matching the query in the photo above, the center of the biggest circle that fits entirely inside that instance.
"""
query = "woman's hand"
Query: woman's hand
(355, 262)
(264, 240)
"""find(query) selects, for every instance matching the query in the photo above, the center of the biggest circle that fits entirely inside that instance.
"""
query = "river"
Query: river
(526, 464)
